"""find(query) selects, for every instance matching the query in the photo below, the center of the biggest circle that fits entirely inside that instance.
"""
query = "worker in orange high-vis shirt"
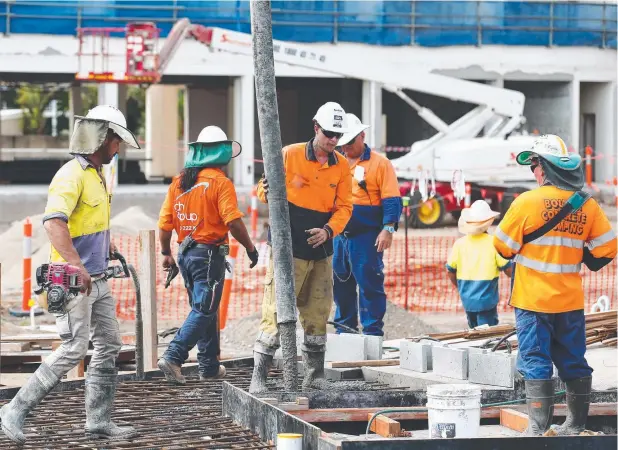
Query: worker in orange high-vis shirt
(319, 194)
(201, 207)
(357, 262)
(547, 288)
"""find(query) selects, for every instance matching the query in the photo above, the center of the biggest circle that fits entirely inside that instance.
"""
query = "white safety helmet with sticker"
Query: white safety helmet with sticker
(331, 117)
(91, 130)
(552, 149)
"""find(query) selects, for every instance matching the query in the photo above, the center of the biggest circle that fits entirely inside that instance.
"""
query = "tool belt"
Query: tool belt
(189, 243)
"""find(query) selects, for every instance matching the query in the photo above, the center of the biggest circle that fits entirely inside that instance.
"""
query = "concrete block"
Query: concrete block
(496, 369)
(450, 362)
(346, 347)
(415, 356)
(374, 346)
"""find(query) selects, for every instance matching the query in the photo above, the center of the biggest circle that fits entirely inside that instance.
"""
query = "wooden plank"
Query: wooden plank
(420, 413)
(148, 284)
(368, 363)
(384, 426)
(513, 419)
(14, 346)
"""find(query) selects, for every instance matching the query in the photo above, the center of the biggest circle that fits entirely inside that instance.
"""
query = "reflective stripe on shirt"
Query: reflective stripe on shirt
(515, 246)
(603, 239)
(547, 267)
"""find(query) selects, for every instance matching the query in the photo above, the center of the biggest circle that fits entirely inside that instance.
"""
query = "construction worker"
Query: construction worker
(77, 222)
(319, 194)
(547, 288)
(201, 207)
(474, 265)
(359, 250)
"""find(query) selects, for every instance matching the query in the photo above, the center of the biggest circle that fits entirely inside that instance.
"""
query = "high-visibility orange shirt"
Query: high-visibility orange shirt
(547, 275)
(210, 205)
(318, 195)
(379, 202)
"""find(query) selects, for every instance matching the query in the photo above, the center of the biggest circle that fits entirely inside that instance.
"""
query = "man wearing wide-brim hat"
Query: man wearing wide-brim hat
(77, 222)
(201, 207)
(474, 265)
(547, 292)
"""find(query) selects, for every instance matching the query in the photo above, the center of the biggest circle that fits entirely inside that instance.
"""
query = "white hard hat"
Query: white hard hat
(331, 117)
(355, 127)
(477, 218)
(213, 134)
(116, 121)
(553, 149)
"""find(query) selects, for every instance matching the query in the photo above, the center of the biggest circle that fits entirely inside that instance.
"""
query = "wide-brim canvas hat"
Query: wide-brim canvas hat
(212, 148)
(90, 130)
(477, 218)
(355, 127)
(552, 149)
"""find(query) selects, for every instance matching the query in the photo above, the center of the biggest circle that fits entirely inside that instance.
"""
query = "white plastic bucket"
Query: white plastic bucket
(289, 441)
(454, 410)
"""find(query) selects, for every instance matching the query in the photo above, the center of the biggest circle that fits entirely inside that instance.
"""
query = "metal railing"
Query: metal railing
(395, 23)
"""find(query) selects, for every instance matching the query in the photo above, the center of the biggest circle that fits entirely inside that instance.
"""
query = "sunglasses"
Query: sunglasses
(331, 134)
(534, 164)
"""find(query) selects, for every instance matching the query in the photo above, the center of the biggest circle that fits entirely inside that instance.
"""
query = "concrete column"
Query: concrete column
(162, 132)
(372, 113)
(205, 107)
(243, 130)
(573, 139)
(75, 105)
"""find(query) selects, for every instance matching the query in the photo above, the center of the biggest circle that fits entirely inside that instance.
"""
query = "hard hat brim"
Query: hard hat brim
(125, 134)
(353, 132)
(570, 162)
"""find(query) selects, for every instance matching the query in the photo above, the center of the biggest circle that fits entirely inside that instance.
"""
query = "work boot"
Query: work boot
(578, 403)
(13, 414)
(220, 374)
(100, 393)
(313, 363)
(540, 402)
(261, 364)
(171, 371)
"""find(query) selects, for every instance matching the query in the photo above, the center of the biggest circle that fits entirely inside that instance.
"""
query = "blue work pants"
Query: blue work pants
(478, 318)
(357, 263)
(203, 270)
(545, 338)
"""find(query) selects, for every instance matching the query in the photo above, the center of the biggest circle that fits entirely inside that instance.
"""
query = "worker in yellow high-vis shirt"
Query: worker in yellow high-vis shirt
(547, 286)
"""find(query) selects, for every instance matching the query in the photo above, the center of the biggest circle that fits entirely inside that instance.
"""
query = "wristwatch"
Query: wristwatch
(166, 253)
(389, 228)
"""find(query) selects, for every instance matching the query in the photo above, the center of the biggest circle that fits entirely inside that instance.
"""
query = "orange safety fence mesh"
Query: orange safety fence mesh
(421, 285)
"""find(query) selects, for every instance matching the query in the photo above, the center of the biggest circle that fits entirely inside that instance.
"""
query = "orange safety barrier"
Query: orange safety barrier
(27, 266)
(588, 152)
(227, 285)
(424, 283)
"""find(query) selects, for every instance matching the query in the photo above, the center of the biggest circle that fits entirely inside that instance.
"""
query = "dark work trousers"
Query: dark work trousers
(203, 270)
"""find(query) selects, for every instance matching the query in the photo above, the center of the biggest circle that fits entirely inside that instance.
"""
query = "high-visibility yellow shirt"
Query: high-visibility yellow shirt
(77, 195)
(547, 270)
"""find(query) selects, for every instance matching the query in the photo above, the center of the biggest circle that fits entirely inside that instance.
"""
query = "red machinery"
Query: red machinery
(140, 54)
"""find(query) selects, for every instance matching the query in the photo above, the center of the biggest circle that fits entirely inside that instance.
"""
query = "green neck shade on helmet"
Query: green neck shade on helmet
(209, 155)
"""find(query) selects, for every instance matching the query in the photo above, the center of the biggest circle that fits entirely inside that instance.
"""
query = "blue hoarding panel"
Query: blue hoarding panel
(423, 22)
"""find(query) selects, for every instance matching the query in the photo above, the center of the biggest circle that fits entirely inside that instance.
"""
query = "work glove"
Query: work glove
(265, 184)
(253, 256)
